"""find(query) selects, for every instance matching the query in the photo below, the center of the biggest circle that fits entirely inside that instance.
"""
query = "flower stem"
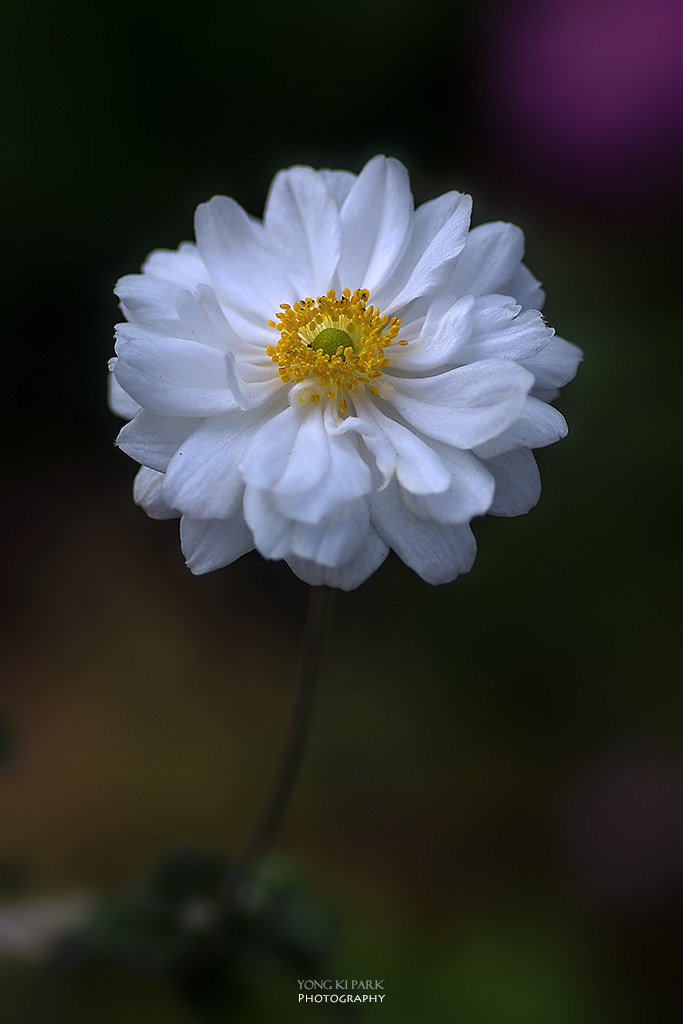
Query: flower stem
(318, 616)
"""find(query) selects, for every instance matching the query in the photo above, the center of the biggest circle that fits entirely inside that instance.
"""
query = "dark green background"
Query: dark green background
(492, 794)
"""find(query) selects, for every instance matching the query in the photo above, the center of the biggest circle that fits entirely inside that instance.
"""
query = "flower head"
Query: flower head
(349, 375)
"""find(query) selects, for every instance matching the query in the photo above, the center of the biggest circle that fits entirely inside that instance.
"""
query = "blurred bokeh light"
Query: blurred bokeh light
(586, 96)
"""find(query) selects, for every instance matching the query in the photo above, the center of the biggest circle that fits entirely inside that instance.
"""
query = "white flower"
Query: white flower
(349, 375)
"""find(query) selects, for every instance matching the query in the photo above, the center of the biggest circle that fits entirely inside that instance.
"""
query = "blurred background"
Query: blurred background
(491, 802)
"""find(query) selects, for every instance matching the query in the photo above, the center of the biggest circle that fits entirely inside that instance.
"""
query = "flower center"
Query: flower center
(339, 342)
(331, 340)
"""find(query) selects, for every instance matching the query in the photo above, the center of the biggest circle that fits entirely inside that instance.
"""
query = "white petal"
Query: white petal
(183, 266)
(338, 184)
(518, 483)
(290, 452)
(149, 300)
(525, 288)
(333, 541)
(148, 492)
(254, 334)
(210, 544)
(491, 256)
(446, 329)
(234, 248)
(466, 406)
(502, 330)
(153, 440)
(556, 365)
(348, 477)
(120, 402)
(203, 477)
(172, 376)
(265, 392)
(398, 450)
(222, 229)
(336, 538)
(204, 321)
(435, 552)
(538, 425)
(470, 492)
(376, 221)
(271, 530)
(438, 236)
(302, 222)
(348, 576)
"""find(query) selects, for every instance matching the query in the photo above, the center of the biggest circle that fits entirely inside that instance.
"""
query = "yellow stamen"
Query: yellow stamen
(339, 341)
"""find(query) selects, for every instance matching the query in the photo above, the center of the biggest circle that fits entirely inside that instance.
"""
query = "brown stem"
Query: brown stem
(317, 617)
